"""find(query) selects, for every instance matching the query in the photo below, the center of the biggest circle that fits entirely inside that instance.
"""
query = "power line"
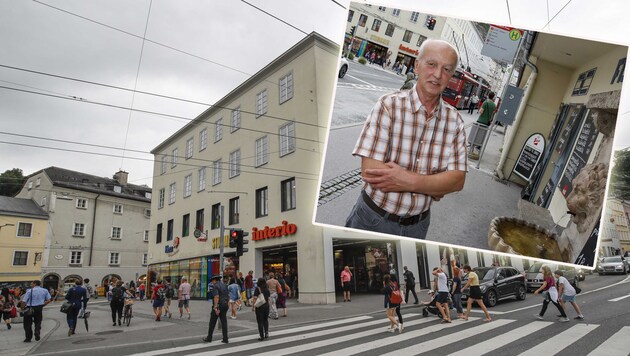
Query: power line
(558, 13)
(343, 7)
(275, 17)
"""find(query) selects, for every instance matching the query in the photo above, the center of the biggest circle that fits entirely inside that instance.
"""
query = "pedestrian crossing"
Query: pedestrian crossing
(366, 87)
(368, 335)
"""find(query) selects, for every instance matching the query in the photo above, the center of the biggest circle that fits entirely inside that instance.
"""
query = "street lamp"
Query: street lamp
(1, 226)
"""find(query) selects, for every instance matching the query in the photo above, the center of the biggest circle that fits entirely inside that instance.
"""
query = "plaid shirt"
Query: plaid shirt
(397, 130)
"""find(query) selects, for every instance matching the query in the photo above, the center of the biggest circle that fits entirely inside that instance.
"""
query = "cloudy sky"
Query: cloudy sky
(68, 68)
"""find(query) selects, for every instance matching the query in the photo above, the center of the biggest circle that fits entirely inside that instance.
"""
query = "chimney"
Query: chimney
(121, 177)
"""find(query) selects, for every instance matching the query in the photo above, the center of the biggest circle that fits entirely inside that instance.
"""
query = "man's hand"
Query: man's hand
(391, 178)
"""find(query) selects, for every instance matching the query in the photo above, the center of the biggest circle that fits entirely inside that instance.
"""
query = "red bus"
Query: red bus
(461, 86)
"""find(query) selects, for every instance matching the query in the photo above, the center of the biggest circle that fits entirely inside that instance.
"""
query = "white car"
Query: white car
(343, 67)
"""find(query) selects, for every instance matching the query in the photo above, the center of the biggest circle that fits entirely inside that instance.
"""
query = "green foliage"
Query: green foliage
(620, 175)
(362, 60)
(11, 182)
(351, 56)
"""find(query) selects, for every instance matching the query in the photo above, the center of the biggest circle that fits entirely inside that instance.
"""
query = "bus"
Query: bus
(461, 86)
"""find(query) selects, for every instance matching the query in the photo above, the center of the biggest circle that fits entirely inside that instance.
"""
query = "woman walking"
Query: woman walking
(475, 293)
(234, 297)
(8, 306)
(390, 307)
(550, 294)
(262, 311)
(456, 292)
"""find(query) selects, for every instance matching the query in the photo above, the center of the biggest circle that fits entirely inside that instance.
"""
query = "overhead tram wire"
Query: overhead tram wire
(275, 17)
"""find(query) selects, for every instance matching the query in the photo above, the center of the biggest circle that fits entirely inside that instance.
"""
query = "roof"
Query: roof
(66, 178)
(26, 208)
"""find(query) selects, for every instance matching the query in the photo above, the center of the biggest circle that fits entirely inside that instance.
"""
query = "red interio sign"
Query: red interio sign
(408, 50)
(271, 232)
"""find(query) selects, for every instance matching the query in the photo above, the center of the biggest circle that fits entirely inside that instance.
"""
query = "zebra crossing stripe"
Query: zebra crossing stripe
(255, 336)
(558, 342)
(298, 339)
(502, 340)
(614, 345)
(445, 340)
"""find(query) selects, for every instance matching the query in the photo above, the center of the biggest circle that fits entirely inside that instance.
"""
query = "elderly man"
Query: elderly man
(412, 149)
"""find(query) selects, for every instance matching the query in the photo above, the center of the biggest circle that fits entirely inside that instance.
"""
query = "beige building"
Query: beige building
(98, 227)
(615, 234)
(23, 229)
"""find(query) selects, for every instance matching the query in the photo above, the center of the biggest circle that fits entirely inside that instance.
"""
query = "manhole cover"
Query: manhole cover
(109, 332)
(89, 341)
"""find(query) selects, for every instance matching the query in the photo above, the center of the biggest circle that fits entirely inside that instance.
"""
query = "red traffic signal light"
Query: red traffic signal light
(233, 238)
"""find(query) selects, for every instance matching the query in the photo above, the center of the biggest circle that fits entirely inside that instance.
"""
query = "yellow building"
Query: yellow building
(23, 226)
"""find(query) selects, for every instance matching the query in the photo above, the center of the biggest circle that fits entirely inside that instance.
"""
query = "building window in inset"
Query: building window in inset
(262, 103)
(407, 36)
(161, 198)
(158, 235)
(116, 233)
(202, 178)
(118, 209)
(185, 225)
(235, 123)
(172, 191)
(78, 230)
(189, 148)
(235, 208)
(376, 25)
(174, 158)
(76, 258)
(199, 220)
(216, 172)
(288, 194)
(114, 258)
(81, 203)
(261, 202)
(389, 31)
(188, 185)
(203, 139)
(218, 130)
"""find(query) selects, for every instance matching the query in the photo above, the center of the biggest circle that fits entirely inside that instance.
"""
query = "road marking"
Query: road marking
(614, 345)
(560, 341)
(502, 340)
(363, 81)
(618, 299)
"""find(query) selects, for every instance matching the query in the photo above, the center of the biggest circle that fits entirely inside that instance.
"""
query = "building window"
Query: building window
(287, 138)
(38, 182)
(24, 229)
(218, 130)
(362, 20)
(350, 15)
(169, 230)
(407, 36)
(163, 165)
(145, 259)
(76, 258)
(396, 12)
(158, 235)
(376, 25)
(174, 158)
(286, 87)
(114, 258)
(199, 220)
(188, 185)
(288, 194)
(30, 185)
(262, 151)
(161, 198)
(261, 202)
(186, 225)
(172, 190)
(235, 163)
(420, 40)
(389, 31)
(78, 229)
(583, 82)
(203, 139)
(81, 203)
(216, 172)
(116, 233)
(202, 178)
(235, 123)
(43, 201)
(414, 17)
(262, 103)
(382, 8)
(234, 210)
(145, 238)
(189, 148)
(118, 209)
(216, 216)
(20, 258)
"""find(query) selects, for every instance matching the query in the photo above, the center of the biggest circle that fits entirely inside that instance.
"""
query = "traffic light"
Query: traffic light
(432, 24)
(240, 241)
(352, 29)
(427, 22)
(233, 238)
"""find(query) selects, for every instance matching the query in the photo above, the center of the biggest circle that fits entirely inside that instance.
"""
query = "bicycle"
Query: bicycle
(128, 311)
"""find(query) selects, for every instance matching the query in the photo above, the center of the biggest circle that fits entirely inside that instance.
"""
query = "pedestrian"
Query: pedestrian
(76, 295)
(456, 292)
(474, 294)
(88, 287)
(281, 302)
(262, 311)
(117, 302)
(36, 297)
(158, 296)
(288, 278)
(169, 293)
(397, 309)
(346, 278)
(8, 307)
(390, 307)
(274, 289)
(487, 110)
(96, 291)
(249, 287)
(550, 294)
(567, 294)
(241, 285)
(442, 294)
(405, 174)
(183, 297)
(472, 104)
(142, 288)
(409, 82)
(410, 285)
(219, 297)
(235, 297)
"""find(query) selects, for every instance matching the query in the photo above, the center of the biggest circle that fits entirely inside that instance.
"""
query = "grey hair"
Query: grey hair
(424, 45)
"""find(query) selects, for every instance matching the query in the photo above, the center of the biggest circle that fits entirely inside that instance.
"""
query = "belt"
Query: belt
(406, 220)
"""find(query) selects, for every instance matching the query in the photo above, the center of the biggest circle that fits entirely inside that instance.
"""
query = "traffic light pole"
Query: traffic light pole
(221, 241)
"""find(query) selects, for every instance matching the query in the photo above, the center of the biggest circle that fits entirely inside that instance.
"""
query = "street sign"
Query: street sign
(197, 233)
(530, 155)
(509, 105)
(502, 43)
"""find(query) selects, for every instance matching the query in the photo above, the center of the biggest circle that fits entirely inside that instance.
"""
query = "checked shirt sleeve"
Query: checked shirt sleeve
(374, 139)
(458, 161)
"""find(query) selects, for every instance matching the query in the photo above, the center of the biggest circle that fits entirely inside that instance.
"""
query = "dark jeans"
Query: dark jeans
(546, 303)
(471, 107)
(213, 322)
(412, 288)
(262, 318)
(72, 315)
(400, 319)
(117, 309)
(457, 302)
(37, 319)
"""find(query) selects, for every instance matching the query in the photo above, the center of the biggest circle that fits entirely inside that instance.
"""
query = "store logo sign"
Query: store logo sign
(408, 50)
(271, 232)
(172, 250)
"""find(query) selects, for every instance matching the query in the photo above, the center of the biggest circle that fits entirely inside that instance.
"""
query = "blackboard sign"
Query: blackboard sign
(529, 156)
(587, 255)
(579, 156)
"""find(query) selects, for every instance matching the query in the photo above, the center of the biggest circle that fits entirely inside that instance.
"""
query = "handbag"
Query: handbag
(13, 312)
(395, 297)
(260, 300)
(66, 307)
(28, 311)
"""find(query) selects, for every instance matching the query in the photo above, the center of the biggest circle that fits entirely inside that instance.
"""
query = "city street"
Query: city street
(359, 327)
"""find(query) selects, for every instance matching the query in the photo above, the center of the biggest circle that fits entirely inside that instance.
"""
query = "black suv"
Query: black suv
(498, 283)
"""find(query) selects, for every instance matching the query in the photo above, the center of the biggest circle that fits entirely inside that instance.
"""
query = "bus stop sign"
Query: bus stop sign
(509, 105)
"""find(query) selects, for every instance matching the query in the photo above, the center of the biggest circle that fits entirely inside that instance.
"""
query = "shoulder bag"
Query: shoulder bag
(260, 300)
(66, 307)
(28, 310)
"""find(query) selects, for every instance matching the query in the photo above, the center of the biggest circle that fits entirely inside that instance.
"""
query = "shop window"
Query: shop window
(414, 17)
(235, 163)
(203, 139)
(202, 178)
(199, 220)
(350, 15)
(583, 82)
(216, 216)
(216, 172)
(235, 123)
(24, 230)
(286, 88)
(20, 258)
(481, 262)
(169, 230)
(287, 138)
(174, 154)
(235, 209)
(189, 148)
(188, 185)
(158, 234)
(161, 198)
(185, 225)
(262, 103)
(172, 190)
(261, 202)
(262, 151)
(288, 194)
(376, 25)
(390, 30)
(407, 36)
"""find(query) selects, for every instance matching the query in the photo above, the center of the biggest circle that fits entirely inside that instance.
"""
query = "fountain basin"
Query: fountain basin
(519, 237)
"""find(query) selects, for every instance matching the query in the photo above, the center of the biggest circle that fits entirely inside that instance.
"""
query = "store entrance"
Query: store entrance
(368, 261)
(282, 259)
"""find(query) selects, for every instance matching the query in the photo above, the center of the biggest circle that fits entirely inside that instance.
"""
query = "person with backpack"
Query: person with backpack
(567, 293)
(117, 302)
(219, 299)
(391, 303)
(158, 297)
(169, 293)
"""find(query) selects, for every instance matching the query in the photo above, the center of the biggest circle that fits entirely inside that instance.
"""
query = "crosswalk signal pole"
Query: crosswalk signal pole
(221, 240)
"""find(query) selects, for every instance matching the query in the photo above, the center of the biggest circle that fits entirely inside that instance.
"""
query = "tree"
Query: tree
(11, 182)
(620, 175)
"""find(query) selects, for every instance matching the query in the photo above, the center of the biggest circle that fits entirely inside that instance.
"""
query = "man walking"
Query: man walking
(410, 285)
(442, 295)
(474, 100)
(249, 287)
(183, 297)
(35, 298)
(273, 285)
(219, 309)
(412, 149)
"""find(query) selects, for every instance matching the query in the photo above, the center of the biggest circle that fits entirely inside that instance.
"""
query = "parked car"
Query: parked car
(612, 264)
(343, 67)
(499, 283)
(535, 277)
